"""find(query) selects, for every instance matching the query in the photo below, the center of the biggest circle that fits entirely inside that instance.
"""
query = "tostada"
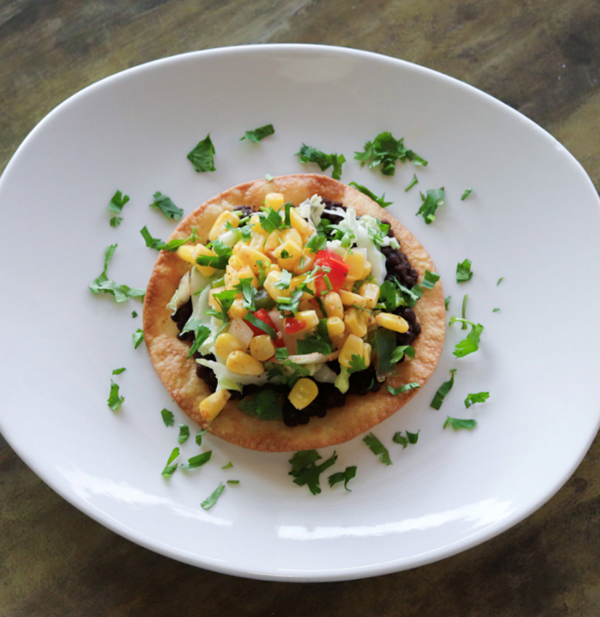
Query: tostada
(291, 307)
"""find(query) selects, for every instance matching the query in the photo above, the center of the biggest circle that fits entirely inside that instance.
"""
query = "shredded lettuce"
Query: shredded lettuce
(312, 209)
(226, 378)
(342, 383)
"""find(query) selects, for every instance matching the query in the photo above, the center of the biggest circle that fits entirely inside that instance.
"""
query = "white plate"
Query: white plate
(532, 218)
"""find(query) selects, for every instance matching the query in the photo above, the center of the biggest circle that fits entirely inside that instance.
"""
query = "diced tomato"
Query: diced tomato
(264, 316)
(338, 271)
(293, 325)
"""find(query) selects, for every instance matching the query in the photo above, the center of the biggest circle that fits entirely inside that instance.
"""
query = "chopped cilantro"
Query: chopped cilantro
(443, 390)
(291, 304)
(431, 203)
(261, 325)
(168, 417)
(499, 281)
(404, 388)
(184, 433)
(269, 177)
(138, 337)
(281, 353)
(385, 150)
(171, 246)
(287, 207)
(233, 481)
(134, 314)
(169, 469)
(342, 476)
(197, 461)
(209, 502)
(248, 293)
(400, 352)
(378, 448)
(201, 333)
(466, 194)
(317, 243)
(270, 220)
(202, 156)
(199, 437)
(305, 472)
(262, 272)
(495, 310)
(285, 254)
(260, 133)
(471, 343)
(457, 423)
(308, 154)
(115, 221)
(218, 261)
(476, 397)
(228, 466)
(267, 404)
(314, 343)
(430, 279)
(463, 271)
(357, 363)
(285, 280)
(118, 200)
(121, 293)
(166, 206)
(464, 310)
(114, 400)
(411, 438)
(379, 200)
(415, 180)
(118, 371)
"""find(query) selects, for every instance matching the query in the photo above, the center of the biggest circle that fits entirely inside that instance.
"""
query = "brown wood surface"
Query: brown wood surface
(542, 58)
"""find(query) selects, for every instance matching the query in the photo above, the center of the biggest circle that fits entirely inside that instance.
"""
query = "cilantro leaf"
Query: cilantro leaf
(210, 501)
(471, 343)
(430, 279)
(134, 314)
(166, 206)
(457, 423)
(357, 363)
(379, 200)
(169, 469)
(121, 293)
(199, 437)
(260, 133)
(171, 246)
(281, 353)
(315, 343)
(138, 337)
(202, 156)
(495, 310)
(431, 203)
(317, 243)
(233, 481)
(399, 353)
(411, 438)
(404, 388)
(261, 325)
(267, 404)
(447, 301)
(309, 154)
(114, 400)
(197, 461)
(228, 466)
(443, 390)
(466, 194)
(285, 280)
(118, 371)
(118, 200)
(499, 281)
(463, 271)
(385, 150)
(269, 177)
(221, 257)
(184, 433)
(201, 333)
(378, 449)
(414, 181)
(291, 304)
(343, 476)
(168, 417)
(305, 472)
(248, 293)
(115, 221)
(224, 299)
(270, 220)
(464, 310)
(476, 397)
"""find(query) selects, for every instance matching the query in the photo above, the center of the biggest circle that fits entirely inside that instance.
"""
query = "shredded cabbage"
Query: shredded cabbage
(226, 377)
(312, 209)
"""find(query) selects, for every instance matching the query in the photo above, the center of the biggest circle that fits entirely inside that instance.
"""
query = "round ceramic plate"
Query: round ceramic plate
(532, 218)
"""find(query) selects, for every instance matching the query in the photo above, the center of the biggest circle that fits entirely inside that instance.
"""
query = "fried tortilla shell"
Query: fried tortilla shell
(360, 413)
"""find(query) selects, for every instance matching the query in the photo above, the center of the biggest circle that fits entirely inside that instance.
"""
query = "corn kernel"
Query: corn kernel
(288, 254)
(272, 268)
(355, 260)
(293, 235)
(257, 241)
(303, 393)
(262, 348)
(349, 298)
(299, 280)
(335, 326)
(333, 305)
(367, 355)
(367, 269)
(237, 309)
(370, 292)
(354, 346)
(305, 305)
(299, 223)
(235, 262)
(212, 405)
(251, 257)
(274, 239)
(274, 291)
(225, 344)
(219, 226)
(392, 322)
(348, 284)
(355, 322)
(244, 364)
(255, 225)
(212, 302)
(340, 339)
(275, 201)
(189, 253)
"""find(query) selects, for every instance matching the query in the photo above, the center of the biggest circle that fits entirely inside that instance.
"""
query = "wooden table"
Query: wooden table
(540, 57)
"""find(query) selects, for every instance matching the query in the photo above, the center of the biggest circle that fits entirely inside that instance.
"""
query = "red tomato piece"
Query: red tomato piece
(293, 325)
(264, 316)
(338, 271)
